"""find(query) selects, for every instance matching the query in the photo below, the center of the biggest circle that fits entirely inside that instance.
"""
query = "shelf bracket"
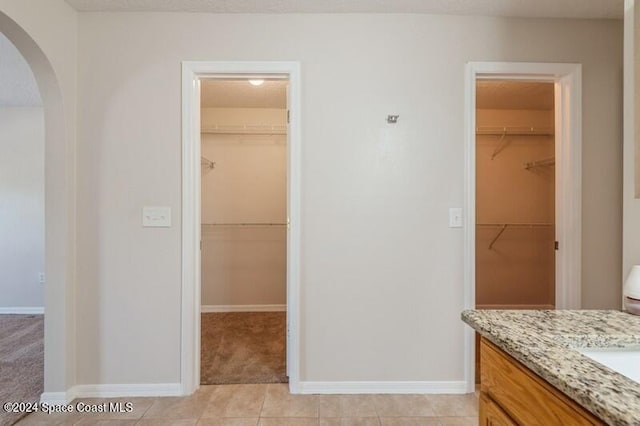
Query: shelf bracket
(501, 144)
(504, 227)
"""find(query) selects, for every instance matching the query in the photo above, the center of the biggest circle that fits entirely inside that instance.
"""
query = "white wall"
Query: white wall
(45, 32)
(21, 206)
(381, 271)
(244, 265)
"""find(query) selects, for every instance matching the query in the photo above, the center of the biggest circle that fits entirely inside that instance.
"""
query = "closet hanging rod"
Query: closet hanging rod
(246, 224)
(521, 131)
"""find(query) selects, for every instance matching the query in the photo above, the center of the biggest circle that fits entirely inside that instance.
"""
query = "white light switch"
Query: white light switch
(159, 217)
(455, 217)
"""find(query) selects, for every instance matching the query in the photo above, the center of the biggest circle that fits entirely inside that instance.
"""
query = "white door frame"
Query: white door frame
(568, 151)
(192, 72)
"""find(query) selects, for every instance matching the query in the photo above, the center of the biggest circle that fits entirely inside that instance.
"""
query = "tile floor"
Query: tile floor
(272, 405)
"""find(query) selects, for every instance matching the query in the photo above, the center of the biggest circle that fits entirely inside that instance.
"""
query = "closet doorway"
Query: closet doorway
(515, 194)
(243, 257)
(195, 166)
(523, 190)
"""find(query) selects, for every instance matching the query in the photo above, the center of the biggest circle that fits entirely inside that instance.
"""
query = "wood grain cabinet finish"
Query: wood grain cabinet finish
(511, 394)
(491, 414)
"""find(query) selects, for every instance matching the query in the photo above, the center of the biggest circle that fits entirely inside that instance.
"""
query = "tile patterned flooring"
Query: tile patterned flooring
(272, 405)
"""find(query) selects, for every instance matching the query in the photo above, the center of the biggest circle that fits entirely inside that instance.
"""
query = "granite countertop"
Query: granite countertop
(545, 341)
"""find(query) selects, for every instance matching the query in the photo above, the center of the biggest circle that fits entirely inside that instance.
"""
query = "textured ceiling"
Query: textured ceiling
(17, 85)
(514, 95)
(241, 94)
(516, 8)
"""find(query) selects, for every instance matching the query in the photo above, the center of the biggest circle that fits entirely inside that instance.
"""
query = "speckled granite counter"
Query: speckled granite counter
(545, 341)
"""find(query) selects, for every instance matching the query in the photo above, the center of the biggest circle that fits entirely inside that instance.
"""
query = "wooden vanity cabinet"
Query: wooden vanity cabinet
(511, 394)
(491, 414)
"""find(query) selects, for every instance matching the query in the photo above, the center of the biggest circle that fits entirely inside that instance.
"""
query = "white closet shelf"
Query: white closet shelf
(205, 225)
(540, 163)
(512, 130)
(244, 129)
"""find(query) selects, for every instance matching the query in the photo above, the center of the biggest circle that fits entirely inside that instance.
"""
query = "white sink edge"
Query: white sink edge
(623, 360)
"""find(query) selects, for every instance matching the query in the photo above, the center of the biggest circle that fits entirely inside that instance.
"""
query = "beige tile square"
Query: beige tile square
(182, 407)
(459, 421)
(278, 402)
(89, 420)
(455, 405)
(404, 406)
(347, 406)
(289, 421)
(410, 421)
(40, 418)
(167, 422)
(349, 421)
(112, 408)
(228, 421)
(208, 389)
(236, 401)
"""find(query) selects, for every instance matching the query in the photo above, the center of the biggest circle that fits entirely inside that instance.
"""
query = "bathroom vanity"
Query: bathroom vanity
(540, 367)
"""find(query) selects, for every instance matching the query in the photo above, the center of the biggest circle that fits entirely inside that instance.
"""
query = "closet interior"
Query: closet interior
(243, 230)
(515, 195)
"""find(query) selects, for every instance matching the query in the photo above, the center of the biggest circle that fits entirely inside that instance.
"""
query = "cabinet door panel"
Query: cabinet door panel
(491, 414)
(524, 396)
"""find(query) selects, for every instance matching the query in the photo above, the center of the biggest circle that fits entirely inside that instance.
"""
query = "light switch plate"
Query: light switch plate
(455, 217)
(156, 217)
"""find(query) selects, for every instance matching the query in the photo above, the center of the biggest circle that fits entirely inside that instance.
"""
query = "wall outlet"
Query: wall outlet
(41, 278)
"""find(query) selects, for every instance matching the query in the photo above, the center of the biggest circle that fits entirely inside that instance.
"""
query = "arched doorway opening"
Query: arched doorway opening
(59, 217)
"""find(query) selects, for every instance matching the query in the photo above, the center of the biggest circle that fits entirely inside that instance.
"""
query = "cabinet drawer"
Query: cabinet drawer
(491, 414)
(524, 396)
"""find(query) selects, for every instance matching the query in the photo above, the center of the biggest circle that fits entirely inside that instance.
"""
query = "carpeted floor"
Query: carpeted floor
(21, 361)
(243, 347)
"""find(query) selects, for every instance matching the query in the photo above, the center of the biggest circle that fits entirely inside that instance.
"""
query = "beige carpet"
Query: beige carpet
(243, 347)
(21, 361)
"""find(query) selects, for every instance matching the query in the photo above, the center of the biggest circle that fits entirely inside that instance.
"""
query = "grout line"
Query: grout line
(148, 408)
(266, 388)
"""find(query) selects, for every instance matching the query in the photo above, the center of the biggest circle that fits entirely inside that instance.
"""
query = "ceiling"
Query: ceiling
(611, 9)
(514, 95)
(217, 93)
(17, 85)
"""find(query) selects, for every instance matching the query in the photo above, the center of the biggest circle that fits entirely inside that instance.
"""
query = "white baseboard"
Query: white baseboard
(503, 306)
(57, 398)
(409, 387)
(22, 310)
(112, 391)
(122, 390)
(242, 308)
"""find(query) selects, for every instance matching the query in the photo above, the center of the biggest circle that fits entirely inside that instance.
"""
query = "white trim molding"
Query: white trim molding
(407, 387)
(568, 120)
(112, 391)
(242, 308)
(23, 310)
(57, 398)
(192, 73)
(127, 390)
